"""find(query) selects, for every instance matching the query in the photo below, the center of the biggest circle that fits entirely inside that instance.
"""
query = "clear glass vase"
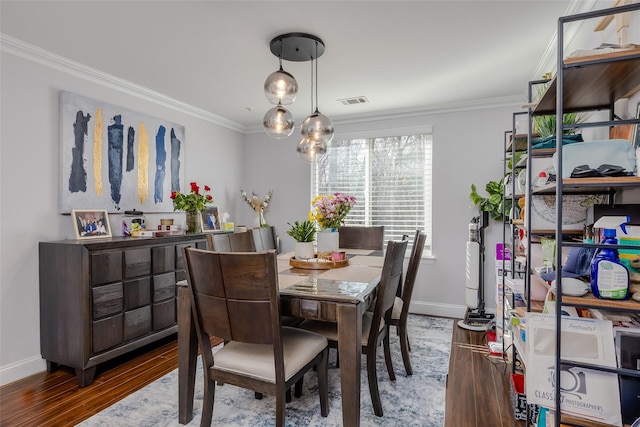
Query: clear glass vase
(260, 221)
(194, 222)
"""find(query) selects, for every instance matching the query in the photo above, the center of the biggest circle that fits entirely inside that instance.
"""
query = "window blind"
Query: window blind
(390, 178)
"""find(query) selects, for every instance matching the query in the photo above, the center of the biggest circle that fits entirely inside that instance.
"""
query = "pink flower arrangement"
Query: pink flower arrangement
(329, 211)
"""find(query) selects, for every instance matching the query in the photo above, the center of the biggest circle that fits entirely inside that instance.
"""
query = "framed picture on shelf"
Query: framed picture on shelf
(211, 219)
(91, 223)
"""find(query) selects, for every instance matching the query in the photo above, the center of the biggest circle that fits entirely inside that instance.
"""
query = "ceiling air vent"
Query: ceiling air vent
(354, 100)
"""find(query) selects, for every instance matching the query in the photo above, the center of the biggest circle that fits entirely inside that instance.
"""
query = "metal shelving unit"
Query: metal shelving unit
(581, 84)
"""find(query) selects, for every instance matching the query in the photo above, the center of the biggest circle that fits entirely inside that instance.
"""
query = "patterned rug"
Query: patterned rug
(418, 400)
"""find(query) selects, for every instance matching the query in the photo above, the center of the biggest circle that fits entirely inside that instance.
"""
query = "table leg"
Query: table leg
(187, 356)
(349, 344)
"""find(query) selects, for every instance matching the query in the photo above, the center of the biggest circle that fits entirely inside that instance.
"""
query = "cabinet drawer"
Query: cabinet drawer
(137, 293)
(164, 286)
(106, 267)
(164, 259)
(137, 262)
(137, 322)
(107, 300)
(107, 333)
(164, 314)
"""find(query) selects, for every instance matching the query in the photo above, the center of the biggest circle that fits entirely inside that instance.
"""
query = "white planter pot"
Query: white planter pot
(328, 240)
(304, 250)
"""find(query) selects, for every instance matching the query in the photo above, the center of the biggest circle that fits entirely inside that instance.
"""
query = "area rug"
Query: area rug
(417, 400)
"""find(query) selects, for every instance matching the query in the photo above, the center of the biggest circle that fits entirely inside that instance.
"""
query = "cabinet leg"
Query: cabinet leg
(51, 366)
(85, 376)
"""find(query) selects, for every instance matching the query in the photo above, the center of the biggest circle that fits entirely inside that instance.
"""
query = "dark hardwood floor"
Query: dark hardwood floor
(477, 387)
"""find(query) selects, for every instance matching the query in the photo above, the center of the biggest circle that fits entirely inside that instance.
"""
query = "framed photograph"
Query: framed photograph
(211, 219)
(91, 223)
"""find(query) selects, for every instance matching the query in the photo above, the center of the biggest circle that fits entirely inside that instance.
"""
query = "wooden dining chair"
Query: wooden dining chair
(235, 296)
(400, 311)
(265, 238)
(375, 324)
(360, 237)
(231, 242)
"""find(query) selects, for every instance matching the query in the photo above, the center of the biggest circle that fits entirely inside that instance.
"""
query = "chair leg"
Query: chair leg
(298, 388)
(372, 376)
(405, 348)
(258, 395)
(323, 383)
(280, 407)
(387, 357)
(207, 402)
(288, 396)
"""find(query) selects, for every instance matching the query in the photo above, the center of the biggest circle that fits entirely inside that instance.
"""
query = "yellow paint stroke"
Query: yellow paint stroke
(143, 164)
(97, 151)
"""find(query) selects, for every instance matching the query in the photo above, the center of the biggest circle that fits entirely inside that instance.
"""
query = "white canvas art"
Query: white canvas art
(116, 159)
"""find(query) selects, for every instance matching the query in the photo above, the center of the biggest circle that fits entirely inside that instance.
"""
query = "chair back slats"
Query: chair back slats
(357, 237)
(412, 269)
(389, 281)
(235, 295)
(264, 238)
(231, 242)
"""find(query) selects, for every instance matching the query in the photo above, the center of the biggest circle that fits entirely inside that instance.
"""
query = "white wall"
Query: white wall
(30, 182)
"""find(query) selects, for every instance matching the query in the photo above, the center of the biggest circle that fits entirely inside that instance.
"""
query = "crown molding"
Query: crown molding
(48, 59)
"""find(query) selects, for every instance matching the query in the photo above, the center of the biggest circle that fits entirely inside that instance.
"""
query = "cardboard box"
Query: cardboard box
(518, 398)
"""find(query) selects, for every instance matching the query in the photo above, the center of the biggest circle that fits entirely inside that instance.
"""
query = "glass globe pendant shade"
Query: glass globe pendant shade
(309, 151)
(317, 128)
(280, 87)
(278, 122)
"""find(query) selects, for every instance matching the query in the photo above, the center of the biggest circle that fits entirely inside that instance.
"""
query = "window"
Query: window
(390, 178)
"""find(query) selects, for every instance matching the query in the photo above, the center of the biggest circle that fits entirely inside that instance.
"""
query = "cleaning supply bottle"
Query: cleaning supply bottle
(609, 277)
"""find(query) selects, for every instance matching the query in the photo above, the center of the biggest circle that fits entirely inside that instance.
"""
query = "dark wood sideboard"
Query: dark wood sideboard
(102, 298)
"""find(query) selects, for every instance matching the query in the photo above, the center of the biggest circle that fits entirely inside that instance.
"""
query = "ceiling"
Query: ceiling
(403, 56)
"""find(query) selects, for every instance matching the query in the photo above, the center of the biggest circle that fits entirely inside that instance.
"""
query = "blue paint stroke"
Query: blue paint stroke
(131, 155)
(175, 161)
(78, 175)
(161, 159)
(116, 138)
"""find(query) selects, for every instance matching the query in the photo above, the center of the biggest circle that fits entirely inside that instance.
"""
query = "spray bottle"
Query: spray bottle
(609, 277)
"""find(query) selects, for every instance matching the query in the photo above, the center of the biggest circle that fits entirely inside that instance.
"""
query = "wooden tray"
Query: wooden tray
(315, 265)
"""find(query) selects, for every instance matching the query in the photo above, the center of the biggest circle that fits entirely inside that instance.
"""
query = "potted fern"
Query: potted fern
(304, 234)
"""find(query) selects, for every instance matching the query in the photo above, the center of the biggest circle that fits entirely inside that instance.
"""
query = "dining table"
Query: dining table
(340, 295)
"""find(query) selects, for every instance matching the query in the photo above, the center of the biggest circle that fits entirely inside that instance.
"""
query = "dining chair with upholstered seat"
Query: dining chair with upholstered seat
(375, 324)
(231, 242)
(360, 237)
(235, 296)
(400, 311)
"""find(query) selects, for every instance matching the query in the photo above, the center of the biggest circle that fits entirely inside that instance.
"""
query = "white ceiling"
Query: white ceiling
(403, 56)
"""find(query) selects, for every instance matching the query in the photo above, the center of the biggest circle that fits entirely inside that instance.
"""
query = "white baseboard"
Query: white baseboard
(436, 309)
(21, 369)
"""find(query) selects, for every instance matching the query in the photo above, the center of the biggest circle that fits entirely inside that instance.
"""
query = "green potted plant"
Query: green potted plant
(494, 203)
(304, 233)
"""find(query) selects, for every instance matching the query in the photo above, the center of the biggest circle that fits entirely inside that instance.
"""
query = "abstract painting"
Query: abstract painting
(117, 159)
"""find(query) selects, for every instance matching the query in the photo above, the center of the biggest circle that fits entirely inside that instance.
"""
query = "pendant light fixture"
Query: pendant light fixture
(310, 149)
(317, 129)
(280, 87)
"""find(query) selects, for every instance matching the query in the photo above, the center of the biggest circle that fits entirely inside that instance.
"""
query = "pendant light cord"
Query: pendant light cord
(316, 76)
(312, 84)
